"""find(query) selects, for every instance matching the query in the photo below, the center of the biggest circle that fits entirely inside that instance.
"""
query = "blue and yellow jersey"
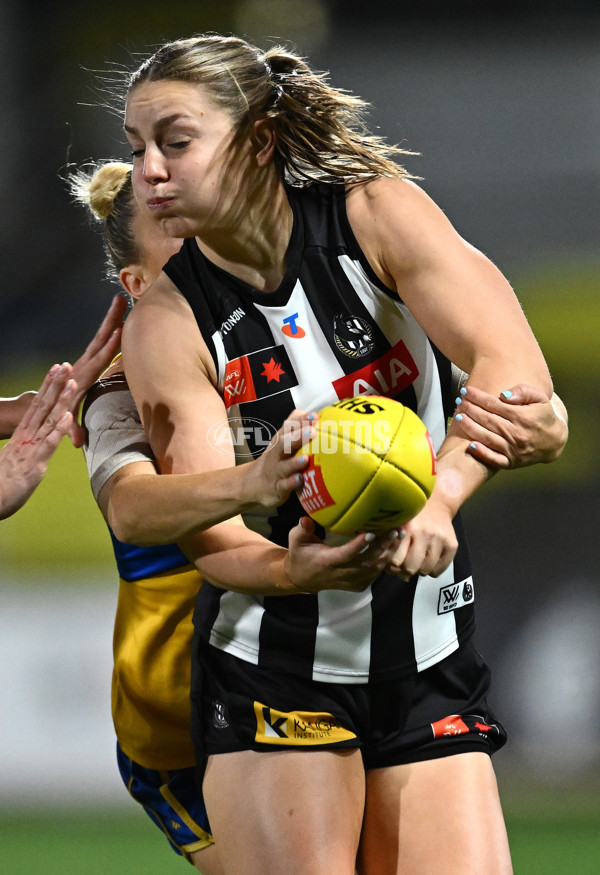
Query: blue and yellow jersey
(157, 589)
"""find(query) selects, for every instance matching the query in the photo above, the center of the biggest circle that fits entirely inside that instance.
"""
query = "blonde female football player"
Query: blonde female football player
(121, 468)
(146, 515)
(339, 726)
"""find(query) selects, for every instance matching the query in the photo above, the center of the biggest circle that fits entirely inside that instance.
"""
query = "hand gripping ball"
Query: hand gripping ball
(372, 466)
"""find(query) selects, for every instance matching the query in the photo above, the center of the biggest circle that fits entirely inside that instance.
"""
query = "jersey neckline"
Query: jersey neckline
(279, 296)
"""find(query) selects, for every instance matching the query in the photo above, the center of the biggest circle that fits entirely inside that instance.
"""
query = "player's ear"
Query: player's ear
(132, 280)
(263, 135)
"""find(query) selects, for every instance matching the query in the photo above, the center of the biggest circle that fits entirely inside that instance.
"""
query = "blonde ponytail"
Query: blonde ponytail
(105, 189)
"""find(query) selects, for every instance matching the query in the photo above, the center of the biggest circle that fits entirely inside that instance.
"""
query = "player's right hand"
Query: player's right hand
(278, 471)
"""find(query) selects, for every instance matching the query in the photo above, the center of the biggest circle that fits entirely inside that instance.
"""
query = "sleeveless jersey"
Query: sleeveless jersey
(331, 330)
(153, 625)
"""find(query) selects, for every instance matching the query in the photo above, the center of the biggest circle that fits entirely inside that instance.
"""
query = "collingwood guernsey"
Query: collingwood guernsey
(331, 330)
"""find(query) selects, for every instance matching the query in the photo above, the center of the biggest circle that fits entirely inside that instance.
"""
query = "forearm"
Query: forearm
(148, 510)
(254, 565)
(459, 475)
(12, 411)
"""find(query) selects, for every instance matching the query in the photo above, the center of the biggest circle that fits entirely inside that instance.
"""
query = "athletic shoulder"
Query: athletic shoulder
(387, 196)
(398, 225)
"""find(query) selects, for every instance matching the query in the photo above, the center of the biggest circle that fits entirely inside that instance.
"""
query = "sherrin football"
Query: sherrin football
(372, 466)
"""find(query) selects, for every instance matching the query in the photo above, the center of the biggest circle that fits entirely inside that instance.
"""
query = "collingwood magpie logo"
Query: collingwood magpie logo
(219, 719)
(353, 335)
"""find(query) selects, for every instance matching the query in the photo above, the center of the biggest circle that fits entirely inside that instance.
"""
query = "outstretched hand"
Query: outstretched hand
(313, 566)
(97, 357)
(519, 427)
(24, 459)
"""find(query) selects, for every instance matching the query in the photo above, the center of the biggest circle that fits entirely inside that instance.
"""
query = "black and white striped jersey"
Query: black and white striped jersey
(329, 331)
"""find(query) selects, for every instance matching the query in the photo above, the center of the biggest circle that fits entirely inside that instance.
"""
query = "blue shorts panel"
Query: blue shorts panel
(172, 800)
(436, 713)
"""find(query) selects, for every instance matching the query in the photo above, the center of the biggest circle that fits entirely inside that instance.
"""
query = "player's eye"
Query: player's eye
(178, 144)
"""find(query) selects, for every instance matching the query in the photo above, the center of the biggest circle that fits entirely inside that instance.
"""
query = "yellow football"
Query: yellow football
(372, 466)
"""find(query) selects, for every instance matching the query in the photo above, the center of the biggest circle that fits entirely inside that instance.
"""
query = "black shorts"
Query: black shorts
(436, 713)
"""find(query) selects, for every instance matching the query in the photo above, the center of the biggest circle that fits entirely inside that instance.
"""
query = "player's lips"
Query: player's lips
(160, 203)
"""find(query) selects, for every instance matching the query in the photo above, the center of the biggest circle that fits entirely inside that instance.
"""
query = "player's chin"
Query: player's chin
(175, 226)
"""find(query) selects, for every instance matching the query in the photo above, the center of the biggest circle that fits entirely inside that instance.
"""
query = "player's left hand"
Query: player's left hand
(312, 566)
(25, 458)
(97, 357)
(428, 543)
(519, 427)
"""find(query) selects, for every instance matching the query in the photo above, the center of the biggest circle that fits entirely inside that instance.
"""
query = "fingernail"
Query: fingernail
(308, 433)
(458, 400)
(299, 479)
(311, 417)
(458, 417)
(302, 460)
(472, 446)
(463, 391)
(393, 534)
(369, 537)
(507, 393)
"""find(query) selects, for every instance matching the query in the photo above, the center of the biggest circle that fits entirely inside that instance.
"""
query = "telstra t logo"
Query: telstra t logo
(291, 328)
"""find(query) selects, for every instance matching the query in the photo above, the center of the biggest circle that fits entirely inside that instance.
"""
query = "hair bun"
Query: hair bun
(105, 185)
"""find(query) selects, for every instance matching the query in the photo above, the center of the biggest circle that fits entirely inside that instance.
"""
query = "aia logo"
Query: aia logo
(291, 328)
(388, 375)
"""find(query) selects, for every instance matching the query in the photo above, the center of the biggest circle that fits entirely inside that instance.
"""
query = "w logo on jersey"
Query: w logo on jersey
(234, 389)
(455, 596)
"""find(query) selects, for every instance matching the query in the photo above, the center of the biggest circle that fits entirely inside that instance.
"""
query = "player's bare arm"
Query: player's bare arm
(144, 508)
(470, 312)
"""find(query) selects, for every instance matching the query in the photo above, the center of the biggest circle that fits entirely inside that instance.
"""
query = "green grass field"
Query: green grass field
(554, 835)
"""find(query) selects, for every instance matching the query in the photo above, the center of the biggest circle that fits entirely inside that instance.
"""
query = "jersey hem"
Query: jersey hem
(334, 676)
